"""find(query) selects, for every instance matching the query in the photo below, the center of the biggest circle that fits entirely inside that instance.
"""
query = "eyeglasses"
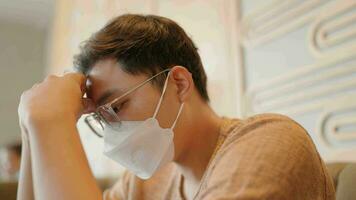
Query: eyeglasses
(105, 115)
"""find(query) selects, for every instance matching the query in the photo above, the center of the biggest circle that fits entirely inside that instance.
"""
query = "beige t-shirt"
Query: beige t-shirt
(266, 156)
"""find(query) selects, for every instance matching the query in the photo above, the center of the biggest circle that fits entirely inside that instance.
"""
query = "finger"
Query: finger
(51, 77)
(78, 78)
(35, 85)
(68, 70)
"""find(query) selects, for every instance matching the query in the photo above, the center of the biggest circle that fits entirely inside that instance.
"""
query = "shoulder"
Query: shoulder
(268, 153)
(268, 124)
(268, 132)
(258, 120)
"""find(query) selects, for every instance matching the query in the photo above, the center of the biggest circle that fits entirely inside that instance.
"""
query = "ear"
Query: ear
(182, 78)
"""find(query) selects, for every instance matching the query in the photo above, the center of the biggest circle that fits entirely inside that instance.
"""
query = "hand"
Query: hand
(54, 100)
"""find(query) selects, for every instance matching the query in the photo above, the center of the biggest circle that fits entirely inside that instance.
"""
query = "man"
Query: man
(146, 85)
(10, 162)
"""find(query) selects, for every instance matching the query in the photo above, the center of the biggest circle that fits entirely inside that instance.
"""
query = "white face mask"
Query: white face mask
(141, 146)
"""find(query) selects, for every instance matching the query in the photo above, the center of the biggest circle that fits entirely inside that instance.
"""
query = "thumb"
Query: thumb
(78, 77)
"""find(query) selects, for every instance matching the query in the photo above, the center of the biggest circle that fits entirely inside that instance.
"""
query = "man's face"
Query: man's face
(107, 81)
(10, 162)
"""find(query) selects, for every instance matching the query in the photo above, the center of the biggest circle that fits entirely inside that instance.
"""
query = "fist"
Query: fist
(53, 100)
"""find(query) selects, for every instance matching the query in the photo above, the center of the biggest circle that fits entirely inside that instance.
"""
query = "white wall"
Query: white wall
(211, 24)
(300, 60)
(22, 64)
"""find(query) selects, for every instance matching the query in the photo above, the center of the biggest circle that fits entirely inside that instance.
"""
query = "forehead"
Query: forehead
(107, 75)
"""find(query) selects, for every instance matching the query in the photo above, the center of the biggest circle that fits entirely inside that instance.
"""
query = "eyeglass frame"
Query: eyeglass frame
(108, 106)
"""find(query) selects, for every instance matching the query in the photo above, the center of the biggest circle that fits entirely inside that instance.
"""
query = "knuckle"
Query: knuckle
(51, 77)
(35, 85)
(23, 94)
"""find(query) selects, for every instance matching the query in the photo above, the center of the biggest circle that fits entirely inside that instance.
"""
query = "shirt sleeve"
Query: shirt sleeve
(120, 189)
(272, 159)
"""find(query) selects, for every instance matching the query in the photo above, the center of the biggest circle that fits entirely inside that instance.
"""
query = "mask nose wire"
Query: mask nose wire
(160, 102)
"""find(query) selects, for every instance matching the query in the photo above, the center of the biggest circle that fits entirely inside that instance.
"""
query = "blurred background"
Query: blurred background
(294, 57)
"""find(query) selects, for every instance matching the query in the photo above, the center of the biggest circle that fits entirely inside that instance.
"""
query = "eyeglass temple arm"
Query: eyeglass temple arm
(135, 88)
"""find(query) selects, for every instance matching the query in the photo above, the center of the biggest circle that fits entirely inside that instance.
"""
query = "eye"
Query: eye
(117, 108)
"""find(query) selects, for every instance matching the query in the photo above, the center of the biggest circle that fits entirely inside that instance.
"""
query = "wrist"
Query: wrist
(37, 125)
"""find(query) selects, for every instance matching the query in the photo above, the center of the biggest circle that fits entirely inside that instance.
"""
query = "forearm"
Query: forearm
(60, 167)
(25, 186)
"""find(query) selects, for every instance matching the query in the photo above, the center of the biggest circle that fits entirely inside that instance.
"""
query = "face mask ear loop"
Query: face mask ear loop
(180, 110)
(161, 98)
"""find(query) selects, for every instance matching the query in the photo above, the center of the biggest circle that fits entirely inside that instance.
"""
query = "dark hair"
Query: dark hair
(144, 44)
(15, 147)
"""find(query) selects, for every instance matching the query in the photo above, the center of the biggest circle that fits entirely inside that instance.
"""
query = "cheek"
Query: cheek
(169, 109)
(141, 106)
